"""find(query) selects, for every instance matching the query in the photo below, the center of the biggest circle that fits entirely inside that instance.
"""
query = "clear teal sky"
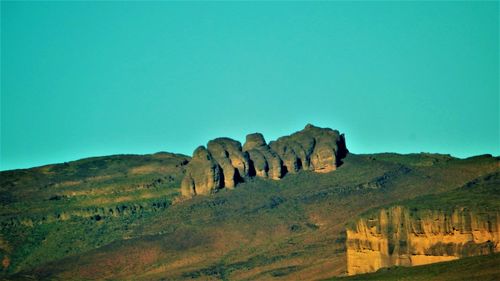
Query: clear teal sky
(83, 79)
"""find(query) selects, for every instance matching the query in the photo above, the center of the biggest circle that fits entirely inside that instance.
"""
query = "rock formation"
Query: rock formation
(203, 174)
(313, 148)
(225, 163)
(398, 236)
(265, 162)
(231, 159)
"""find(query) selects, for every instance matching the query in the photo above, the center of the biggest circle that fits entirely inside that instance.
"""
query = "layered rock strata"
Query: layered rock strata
(225, 163)
(399, 237)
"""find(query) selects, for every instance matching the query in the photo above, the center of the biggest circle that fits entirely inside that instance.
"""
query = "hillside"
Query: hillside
(122, 217)
(264, 229)
(53, 211)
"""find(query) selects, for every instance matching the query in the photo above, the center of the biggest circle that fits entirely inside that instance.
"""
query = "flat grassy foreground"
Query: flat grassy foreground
(483, 268)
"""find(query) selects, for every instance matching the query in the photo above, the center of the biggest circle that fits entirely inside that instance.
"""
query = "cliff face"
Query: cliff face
(398, 236)
(225, 162)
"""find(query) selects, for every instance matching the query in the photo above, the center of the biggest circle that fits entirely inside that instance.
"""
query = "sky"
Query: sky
(81, 79)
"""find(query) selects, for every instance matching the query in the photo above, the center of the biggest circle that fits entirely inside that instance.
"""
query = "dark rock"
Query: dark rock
(314, 148)
(203, 174)
(253, 141)
(266, 162)
(225, 162)
(234, 163)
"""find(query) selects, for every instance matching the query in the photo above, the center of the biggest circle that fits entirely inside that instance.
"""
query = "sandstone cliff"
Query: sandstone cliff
(225, 162)
(399, 236)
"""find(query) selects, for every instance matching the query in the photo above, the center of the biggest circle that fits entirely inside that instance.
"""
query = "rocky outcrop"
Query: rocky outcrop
(225, 163)
(232, 160)
(315, 149)
(203, 174)
(398, 236)
(265, 162)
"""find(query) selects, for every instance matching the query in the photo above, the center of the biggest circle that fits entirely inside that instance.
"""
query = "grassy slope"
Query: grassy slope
(53, 211)
(481, 195)
(484, 268)
(87, 180)
(84, 181)
(290, 229)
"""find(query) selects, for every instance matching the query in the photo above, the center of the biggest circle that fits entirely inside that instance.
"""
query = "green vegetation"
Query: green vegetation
(56, 220)
(58, 210)
(481, 195)
(484, 268)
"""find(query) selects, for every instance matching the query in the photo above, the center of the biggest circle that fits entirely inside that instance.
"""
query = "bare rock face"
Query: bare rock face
(225, 162)
(233, 161)
(398, 237)
(316, 149)
(203, 174)
(291, 153)
(329, 149)
(265, 162)
(254, 140)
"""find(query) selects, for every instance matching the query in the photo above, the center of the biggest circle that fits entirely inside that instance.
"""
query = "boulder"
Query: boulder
(233, 161)
(313, 148)
(254, 140)
(203, 174)
(329, 149)
(291, 154)
(265, 162)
